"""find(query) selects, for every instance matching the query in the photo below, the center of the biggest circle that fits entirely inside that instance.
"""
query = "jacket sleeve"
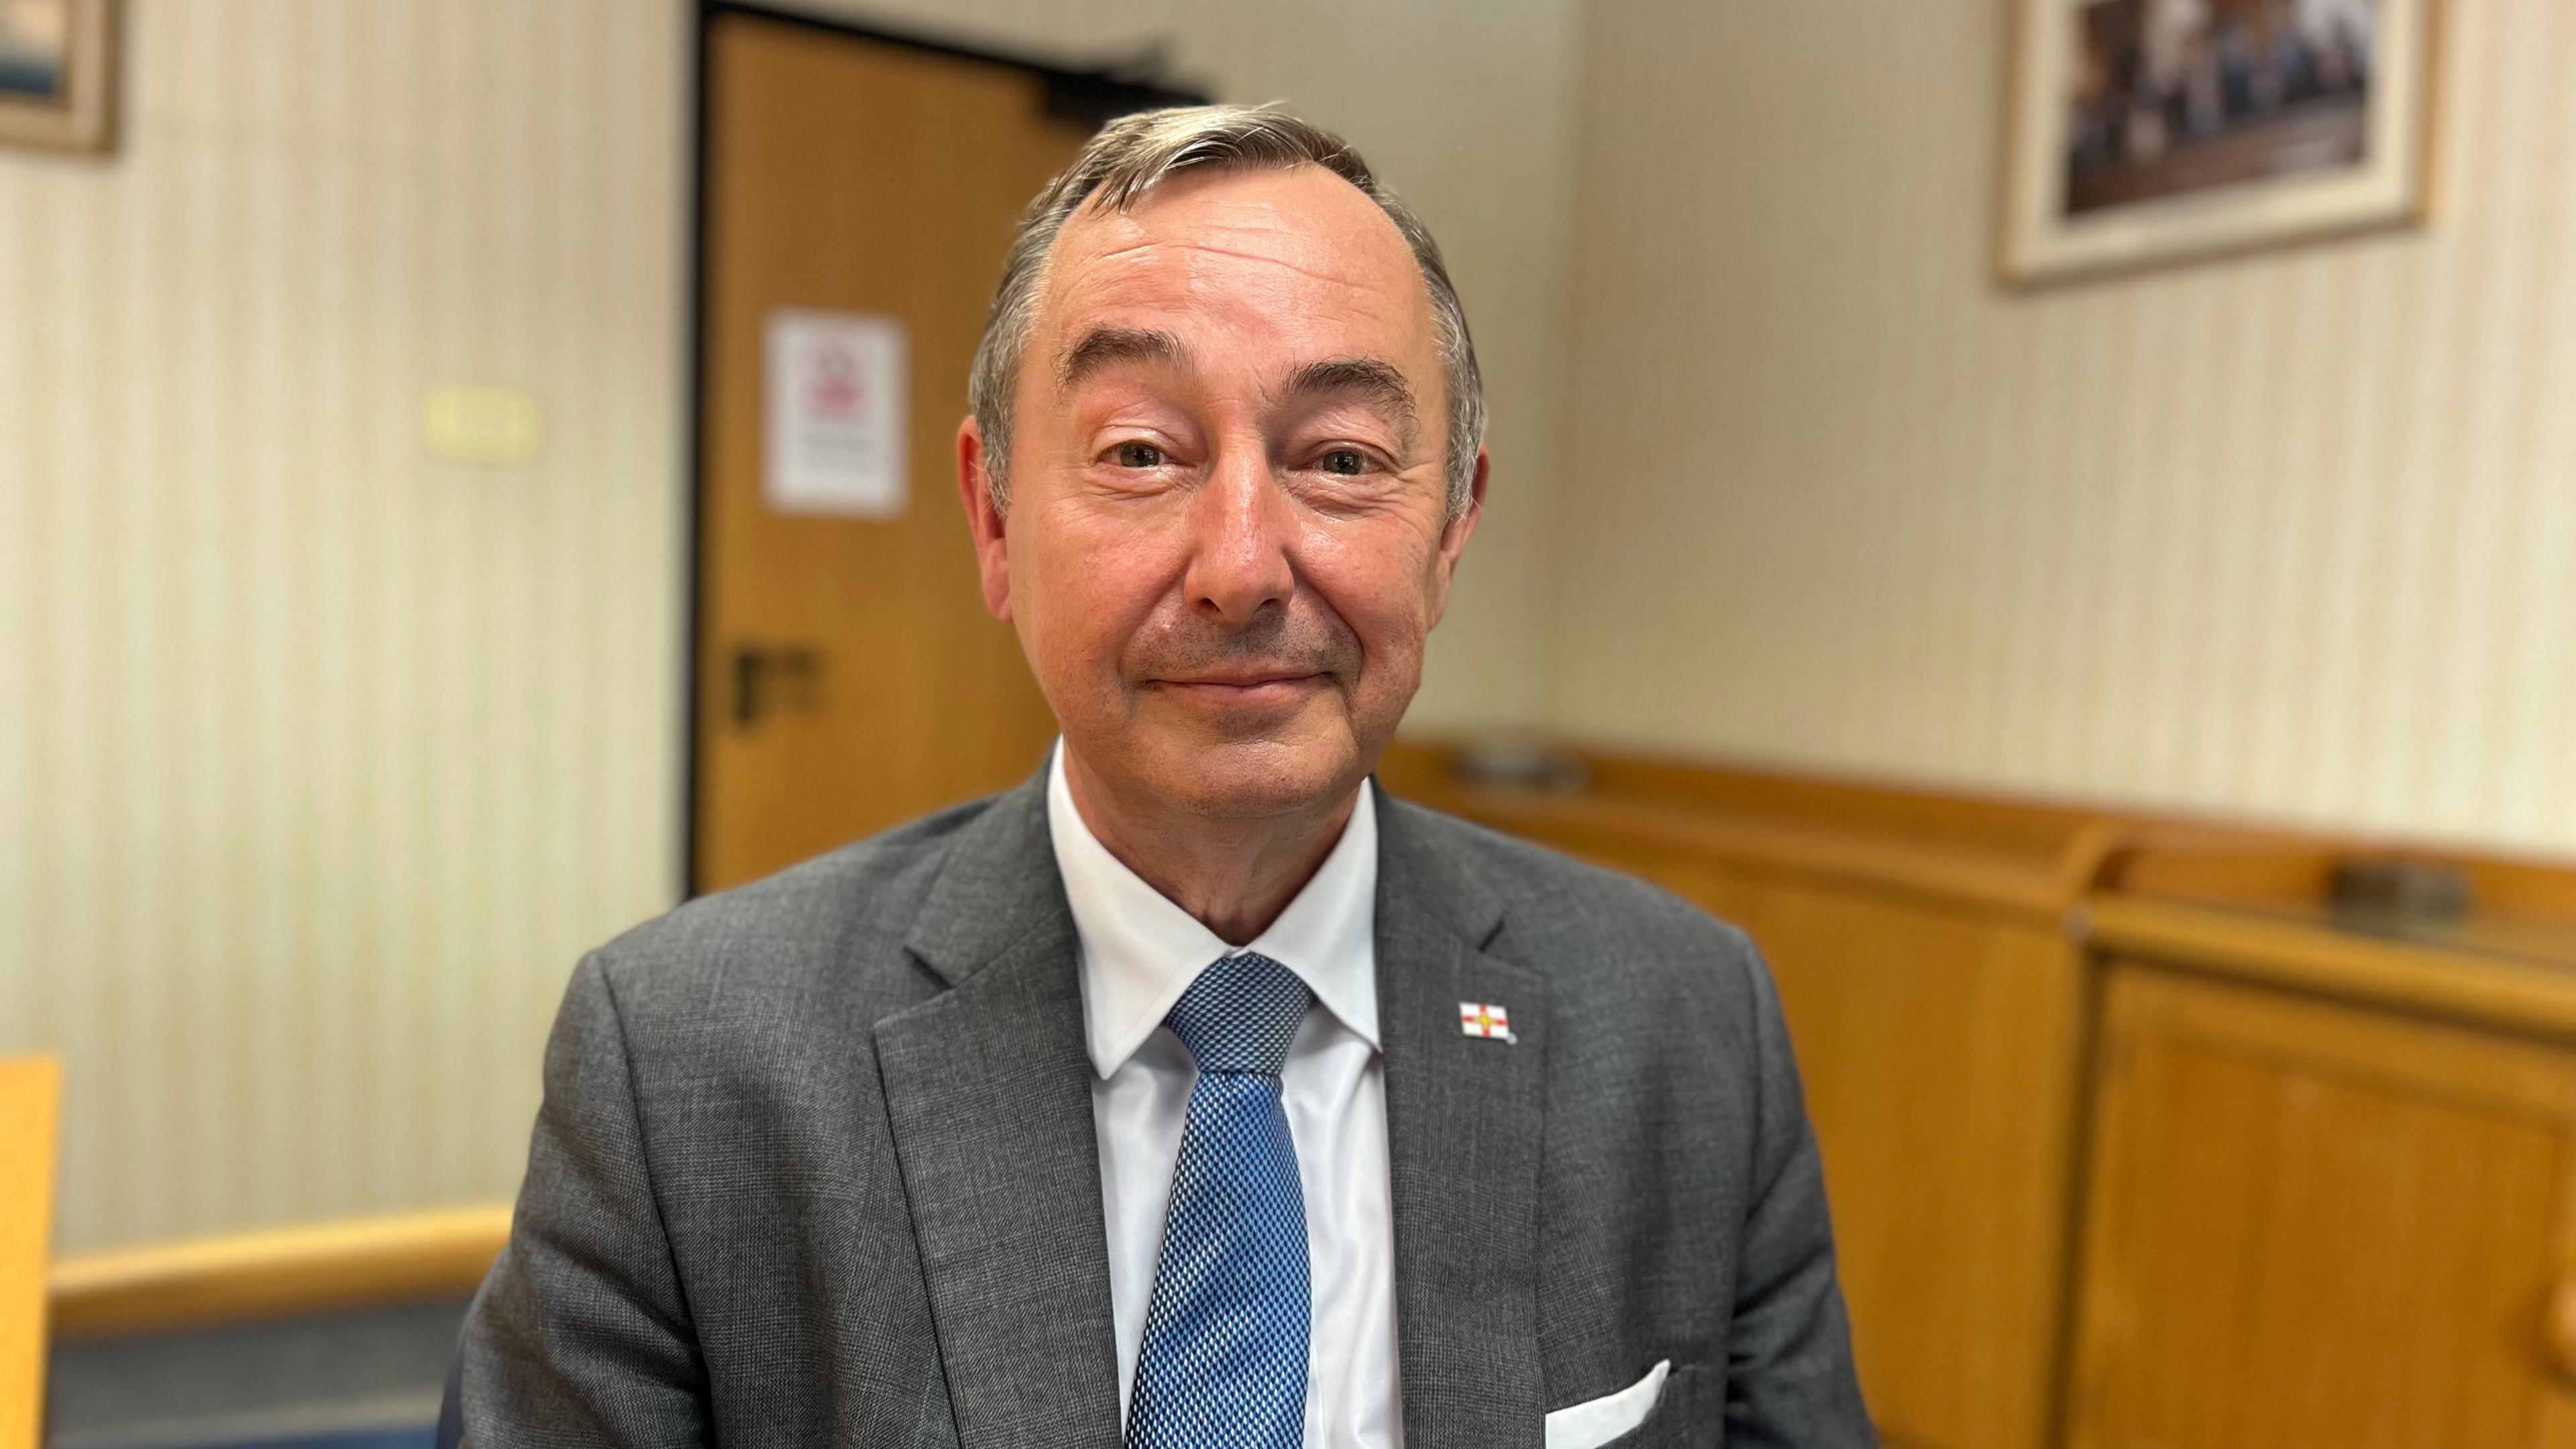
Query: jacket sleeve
(1790, 1380)
(581, 1333)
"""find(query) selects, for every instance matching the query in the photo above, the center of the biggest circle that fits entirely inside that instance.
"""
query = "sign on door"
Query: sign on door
(834, 393)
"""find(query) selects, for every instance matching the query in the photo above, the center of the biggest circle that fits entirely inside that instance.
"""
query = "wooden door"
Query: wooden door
(848, 678)
(2316, 1226)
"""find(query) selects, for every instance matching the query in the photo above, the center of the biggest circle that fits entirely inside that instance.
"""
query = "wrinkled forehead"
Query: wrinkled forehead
(1296, 261)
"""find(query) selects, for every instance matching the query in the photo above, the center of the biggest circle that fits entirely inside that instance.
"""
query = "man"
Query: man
(1192, 1093)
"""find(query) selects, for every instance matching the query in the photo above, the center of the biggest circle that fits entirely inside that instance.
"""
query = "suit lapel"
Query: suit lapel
(989, 1092)
(1463, 1118)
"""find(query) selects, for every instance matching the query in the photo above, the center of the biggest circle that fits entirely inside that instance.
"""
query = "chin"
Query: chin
(1243, 779)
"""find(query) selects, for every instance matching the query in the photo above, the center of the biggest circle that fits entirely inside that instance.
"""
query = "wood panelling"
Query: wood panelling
(1940, 1048)
(2315, 1226)
(2522, 910)
(1658, 840)
(2280, 949)
(2009, 855)
(1961, 821)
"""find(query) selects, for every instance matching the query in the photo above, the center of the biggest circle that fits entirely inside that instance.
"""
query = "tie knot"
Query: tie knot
(1240, 1015)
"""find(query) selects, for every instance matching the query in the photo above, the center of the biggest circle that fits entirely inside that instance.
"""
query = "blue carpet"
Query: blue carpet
(364, 1379)
(421, 1438)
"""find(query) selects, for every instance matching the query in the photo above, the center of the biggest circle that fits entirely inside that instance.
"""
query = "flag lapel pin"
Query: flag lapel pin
(1478, 1018)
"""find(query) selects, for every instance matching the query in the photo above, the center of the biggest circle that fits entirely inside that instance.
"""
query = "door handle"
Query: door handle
(2558, 1330)
(767, 678)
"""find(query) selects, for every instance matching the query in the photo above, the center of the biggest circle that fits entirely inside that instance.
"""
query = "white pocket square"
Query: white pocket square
(1590, 1425)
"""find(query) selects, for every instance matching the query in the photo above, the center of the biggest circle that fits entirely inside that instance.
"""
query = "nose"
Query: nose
(1242, 524)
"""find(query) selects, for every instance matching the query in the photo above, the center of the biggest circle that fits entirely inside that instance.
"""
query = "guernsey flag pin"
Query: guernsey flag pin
(1477, 1018)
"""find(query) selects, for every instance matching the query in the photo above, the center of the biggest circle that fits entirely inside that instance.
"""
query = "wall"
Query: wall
(2291, 536)
(320, 762)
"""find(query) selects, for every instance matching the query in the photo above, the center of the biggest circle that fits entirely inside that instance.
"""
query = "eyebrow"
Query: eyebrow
(1104, 346)
(1372, 379)
(1367, 377)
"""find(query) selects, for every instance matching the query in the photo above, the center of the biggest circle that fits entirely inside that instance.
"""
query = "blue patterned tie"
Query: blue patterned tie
(1223, 1364)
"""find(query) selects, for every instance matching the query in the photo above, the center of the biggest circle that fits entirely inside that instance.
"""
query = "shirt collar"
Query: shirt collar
(1140, 951)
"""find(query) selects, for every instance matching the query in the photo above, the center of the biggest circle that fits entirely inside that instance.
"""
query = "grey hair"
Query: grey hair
(1130, 157)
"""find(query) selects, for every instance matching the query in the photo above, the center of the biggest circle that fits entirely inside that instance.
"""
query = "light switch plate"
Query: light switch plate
(486, 426)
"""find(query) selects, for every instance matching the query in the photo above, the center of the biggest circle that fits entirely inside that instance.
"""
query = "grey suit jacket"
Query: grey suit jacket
(816, 1165)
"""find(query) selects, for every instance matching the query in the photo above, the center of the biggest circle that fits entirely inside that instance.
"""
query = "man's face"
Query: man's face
(1228, 534)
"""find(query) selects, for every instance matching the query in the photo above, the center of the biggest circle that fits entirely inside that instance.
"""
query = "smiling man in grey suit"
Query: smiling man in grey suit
(1192, 1093)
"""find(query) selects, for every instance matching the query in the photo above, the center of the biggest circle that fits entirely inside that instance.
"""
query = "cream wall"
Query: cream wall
(2292, 536)
(321, 762)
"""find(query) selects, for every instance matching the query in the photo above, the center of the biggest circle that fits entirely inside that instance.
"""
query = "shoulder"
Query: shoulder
(1657, 1013)
(833, 924)
(1552, 897)
(1605, 943)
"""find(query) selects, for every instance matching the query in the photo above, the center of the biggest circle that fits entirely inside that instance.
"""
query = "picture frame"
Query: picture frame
(58, 74)
(2145, 132)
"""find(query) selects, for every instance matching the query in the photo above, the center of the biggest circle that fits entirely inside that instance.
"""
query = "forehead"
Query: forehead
(1293, 264)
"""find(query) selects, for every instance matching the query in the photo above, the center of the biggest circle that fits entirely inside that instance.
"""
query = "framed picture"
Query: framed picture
(2144, 131)
(57, 73)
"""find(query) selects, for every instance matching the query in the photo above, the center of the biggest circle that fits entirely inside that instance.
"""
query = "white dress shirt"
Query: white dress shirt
(1139, 953)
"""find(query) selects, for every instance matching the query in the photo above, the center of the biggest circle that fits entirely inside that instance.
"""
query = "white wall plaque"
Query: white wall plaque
(835, 391)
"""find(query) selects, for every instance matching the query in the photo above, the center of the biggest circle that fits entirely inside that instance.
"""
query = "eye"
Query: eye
(1347, 462)
(1137, 455)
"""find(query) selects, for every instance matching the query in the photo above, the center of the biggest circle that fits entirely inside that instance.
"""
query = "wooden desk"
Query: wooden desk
(305, 1268)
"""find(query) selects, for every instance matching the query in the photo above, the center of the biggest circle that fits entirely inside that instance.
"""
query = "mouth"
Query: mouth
(1253, 687)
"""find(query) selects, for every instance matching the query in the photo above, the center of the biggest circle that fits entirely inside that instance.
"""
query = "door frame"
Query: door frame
(1095, 94)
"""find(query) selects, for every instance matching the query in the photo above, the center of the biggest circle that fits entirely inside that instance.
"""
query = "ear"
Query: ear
(987, 523)
(1454, 535)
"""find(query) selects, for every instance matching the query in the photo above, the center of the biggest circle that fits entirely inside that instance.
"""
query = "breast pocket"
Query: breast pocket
(1612, 1422)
